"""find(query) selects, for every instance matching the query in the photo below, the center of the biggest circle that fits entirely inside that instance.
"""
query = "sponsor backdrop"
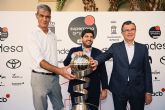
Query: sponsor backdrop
(15, 75)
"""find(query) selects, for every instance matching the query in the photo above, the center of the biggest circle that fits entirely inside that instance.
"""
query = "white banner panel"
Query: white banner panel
(15, 75)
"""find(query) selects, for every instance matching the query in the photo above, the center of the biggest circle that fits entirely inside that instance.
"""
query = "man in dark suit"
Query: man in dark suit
(95, 92)
(131, 78)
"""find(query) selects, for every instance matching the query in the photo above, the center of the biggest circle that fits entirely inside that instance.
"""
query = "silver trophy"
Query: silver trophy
(80, 65)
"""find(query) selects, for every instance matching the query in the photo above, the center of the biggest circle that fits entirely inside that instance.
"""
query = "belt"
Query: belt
(43, 73)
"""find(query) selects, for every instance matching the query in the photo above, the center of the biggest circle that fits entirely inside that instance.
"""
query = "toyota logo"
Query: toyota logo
(13, 63)
(162, 60)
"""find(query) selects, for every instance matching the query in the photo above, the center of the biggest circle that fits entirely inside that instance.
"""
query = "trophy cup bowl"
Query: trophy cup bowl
(80, 63)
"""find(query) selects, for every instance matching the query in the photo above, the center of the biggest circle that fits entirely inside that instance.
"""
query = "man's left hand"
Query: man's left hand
(148, 98)
(103, 94)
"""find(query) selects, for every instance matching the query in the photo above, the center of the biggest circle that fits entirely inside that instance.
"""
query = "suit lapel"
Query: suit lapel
(135, 53)
(80, 48)
(124, 52)
(93, 53)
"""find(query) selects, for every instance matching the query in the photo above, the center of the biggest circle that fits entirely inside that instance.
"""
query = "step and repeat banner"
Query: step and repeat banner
(15, 73)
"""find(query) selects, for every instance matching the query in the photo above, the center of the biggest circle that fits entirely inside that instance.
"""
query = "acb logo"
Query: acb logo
(4, 99)
(159, 93)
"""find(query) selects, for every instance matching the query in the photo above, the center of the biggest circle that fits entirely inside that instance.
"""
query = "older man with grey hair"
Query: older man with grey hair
(42, 47)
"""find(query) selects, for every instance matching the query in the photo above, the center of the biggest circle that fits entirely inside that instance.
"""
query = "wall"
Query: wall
(15, 74)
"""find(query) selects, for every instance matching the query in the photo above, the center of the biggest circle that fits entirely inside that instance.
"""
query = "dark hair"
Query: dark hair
(44, 7)
(87, 31)
(127, 23)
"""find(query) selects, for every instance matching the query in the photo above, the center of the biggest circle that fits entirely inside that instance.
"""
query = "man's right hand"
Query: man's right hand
(78, 53)
(66, 74)
(61, 71)
(93, 63)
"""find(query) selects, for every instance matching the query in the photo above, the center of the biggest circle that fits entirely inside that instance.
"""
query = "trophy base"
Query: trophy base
(80, 107)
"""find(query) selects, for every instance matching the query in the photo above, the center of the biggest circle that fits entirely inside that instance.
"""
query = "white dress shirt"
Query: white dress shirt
(130, 51)
(87, 52)
(42, 46)
(130, 48)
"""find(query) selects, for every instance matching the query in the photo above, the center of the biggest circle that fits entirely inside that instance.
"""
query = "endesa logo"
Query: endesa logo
(3, 33)
(155, 32)
(159, 93)
(155, 46)
(5, 48)
(5, 98)
(162, 60)
(63, 51)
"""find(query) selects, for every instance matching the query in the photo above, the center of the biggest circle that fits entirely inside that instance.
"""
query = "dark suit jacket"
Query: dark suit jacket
(97, 77)
(138, 71)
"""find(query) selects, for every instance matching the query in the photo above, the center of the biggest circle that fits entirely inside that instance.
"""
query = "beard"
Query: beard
(87, 46)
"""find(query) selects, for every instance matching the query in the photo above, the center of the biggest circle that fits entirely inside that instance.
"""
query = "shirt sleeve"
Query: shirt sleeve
(34, 49)
(103, 76)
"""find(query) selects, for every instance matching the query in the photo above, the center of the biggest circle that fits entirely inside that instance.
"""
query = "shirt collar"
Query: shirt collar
(84, 48)
(129, 44)
(40, 30)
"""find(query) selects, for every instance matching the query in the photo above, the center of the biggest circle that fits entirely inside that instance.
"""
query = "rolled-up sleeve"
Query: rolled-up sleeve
(34, 49)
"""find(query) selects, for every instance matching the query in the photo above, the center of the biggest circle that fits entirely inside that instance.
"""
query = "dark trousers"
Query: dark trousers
(135, 102)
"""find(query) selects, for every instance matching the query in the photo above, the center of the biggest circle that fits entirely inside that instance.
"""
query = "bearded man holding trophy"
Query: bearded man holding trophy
(89, 86)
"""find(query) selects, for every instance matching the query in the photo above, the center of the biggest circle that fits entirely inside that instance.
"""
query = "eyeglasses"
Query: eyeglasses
(131, 30)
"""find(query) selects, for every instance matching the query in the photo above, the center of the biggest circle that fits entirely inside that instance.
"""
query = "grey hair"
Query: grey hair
(44, 7)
